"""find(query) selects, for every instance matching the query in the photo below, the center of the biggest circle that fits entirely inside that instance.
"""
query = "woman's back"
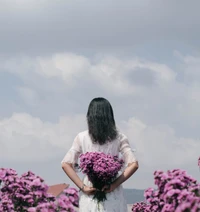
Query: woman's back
(82, 144)
(101, 136)
(110, 147)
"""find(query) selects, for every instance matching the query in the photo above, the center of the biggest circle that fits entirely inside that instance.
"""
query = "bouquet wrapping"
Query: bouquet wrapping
(101, 169)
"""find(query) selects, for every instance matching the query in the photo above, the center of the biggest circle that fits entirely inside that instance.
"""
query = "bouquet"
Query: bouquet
(101, 169)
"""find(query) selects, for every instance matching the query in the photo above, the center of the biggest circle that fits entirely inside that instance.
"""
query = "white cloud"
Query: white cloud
(67, 67)
(158, 147)
(110, 73)
(22, 65)
(157, 90)
(190, 66)
(162, 72)
(26, 138)
(165, 131)
(156, 144)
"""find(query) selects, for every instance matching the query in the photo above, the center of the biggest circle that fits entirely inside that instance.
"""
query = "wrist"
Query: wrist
(82, 187)
(114, 185)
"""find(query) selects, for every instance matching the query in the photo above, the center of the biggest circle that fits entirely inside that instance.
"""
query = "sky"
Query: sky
(142, 55)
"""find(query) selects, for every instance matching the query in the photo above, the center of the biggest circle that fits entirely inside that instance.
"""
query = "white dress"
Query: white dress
(115, 200)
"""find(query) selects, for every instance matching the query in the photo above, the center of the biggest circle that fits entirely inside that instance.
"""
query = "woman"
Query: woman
(101, 136)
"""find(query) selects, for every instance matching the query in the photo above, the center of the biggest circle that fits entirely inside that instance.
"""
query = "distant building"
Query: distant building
(57, 189)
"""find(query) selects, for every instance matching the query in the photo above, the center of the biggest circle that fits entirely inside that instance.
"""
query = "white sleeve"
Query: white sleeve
(126, 151)
(72, 155)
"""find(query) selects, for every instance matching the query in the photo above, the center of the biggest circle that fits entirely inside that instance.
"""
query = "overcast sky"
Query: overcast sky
(142, 55)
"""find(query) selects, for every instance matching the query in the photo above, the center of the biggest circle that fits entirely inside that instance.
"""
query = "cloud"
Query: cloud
(113, 74)
(73, 25)
(154, 88)
(156, 143)
(27, 138)
(190, 67)
(158, 103)
(110, 73)
(159, 148)
(67, 67)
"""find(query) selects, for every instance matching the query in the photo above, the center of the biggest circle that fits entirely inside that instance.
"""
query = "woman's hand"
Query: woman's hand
(108, 188)
(88, 190)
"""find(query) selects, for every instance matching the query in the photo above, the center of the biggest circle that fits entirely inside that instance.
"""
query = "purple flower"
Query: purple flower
(28, 193)
(176, 192)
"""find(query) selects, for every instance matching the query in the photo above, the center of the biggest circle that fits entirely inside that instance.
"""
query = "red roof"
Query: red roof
(57, 189)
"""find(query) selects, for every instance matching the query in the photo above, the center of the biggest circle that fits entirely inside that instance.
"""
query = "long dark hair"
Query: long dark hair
(101, 122)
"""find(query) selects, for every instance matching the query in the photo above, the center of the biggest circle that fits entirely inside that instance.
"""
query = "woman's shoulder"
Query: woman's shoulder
(82, 134)
(121, 136)
(85, 134)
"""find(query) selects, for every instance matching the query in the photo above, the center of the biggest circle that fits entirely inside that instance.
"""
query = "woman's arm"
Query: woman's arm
(128, 172)
(71, 158)
(68, 169)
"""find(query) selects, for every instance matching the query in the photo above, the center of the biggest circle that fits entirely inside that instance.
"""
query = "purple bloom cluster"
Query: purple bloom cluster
(176, 192)
(28, 193)
(72, 194)
(101, 170)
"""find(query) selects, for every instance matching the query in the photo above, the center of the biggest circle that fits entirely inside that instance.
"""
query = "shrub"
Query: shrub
(28, 193)
(176, 192)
